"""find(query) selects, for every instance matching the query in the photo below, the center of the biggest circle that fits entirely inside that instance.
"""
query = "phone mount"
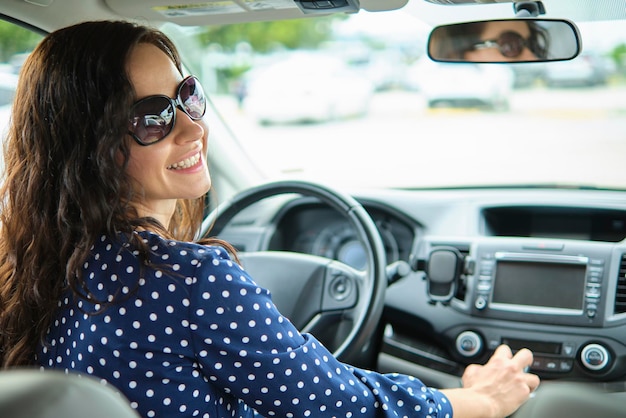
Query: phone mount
(443, 273)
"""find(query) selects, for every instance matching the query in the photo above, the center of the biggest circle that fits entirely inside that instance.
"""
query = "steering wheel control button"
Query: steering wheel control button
(340, 287)
(594, 357)
(469, 343)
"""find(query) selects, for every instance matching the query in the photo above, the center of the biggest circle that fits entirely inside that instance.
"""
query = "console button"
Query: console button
(593, 293)
(566, 365)
(568, 349)
(595, 278)
(481, 303)
(549, 364)
(483, 286)
(469, 343)
(594, 357)
(538, 363)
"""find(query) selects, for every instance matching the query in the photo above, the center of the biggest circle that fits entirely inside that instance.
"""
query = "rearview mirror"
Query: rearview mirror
(507, 40)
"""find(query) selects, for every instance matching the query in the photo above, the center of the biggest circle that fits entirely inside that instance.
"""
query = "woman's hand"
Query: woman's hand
(497, 388)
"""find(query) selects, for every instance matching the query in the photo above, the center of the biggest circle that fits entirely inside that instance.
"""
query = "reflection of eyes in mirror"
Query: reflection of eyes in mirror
(513, 40)
(510, 45)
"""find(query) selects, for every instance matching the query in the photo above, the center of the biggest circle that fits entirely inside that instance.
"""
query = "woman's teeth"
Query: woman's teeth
(186, 163)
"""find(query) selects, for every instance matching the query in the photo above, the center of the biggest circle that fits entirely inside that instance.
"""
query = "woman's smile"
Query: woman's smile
(186, 163)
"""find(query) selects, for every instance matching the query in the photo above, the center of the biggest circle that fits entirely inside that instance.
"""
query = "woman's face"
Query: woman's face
(175, 167)
(492, 32)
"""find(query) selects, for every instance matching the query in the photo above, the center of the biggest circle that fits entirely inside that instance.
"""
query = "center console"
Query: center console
(555, 297)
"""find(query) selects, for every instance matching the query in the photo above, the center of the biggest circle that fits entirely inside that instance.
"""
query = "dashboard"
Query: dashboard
(538, 268)
(320, 230)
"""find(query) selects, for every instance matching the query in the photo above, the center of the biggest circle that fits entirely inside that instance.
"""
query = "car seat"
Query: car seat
(31, 393)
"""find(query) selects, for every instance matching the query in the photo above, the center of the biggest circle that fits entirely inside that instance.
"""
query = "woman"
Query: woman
(105, 182)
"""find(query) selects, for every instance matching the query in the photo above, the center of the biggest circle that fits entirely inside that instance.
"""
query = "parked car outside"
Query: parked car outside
(586, 70)
(463, 85)
(304, 88)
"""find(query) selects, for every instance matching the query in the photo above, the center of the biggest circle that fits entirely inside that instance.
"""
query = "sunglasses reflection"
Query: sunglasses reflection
(491, 41)
(152, 118)
(510, 44)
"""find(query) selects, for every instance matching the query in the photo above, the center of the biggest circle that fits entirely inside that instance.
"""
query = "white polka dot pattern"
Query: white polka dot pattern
(194, 336)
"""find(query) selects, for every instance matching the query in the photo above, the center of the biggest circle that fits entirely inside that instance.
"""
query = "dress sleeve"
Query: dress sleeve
(248, 349)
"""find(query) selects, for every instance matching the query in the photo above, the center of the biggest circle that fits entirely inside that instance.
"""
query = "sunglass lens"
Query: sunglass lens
(511, 44)
(192, 97)
(152, 119)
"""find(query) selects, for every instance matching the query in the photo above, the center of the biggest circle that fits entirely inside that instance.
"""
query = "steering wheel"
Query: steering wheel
(340, 305)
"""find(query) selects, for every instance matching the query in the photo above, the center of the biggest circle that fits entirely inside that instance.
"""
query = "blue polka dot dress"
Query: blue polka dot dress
(192, 335)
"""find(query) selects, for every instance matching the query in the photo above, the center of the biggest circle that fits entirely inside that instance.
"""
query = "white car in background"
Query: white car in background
(482, 86)
(306, 88)
(586, 70)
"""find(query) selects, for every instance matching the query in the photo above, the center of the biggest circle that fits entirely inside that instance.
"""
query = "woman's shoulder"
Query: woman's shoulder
(185, 249)
(191, 259)
(160, 249)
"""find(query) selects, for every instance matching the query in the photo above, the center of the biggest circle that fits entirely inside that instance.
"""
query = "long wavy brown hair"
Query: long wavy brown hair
(64, 185)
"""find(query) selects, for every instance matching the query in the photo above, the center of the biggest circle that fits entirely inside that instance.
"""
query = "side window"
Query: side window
(15, 44)
(6, 92)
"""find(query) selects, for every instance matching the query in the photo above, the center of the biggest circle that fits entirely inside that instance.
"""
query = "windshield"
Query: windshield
(355, 101)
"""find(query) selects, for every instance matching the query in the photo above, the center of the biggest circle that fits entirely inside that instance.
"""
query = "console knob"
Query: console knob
(595, 357)
(469, 343)
(481, 303)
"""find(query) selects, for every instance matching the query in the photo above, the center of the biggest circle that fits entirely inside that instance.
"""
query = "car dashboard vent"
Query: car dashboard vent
(620, 291)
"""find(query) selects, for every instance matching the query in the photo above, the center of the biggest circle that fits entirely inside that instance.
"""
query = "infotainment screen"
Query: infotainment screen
(539, 284)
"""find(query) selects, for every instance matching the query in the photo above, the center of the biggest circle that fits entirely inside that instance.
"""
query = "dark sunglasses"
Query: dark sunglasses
(509, 43)
(152, 118)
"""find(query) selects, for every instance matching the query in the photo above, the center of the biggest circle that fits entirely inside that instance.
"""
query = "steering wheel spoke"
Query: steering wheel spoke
(331, 328)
